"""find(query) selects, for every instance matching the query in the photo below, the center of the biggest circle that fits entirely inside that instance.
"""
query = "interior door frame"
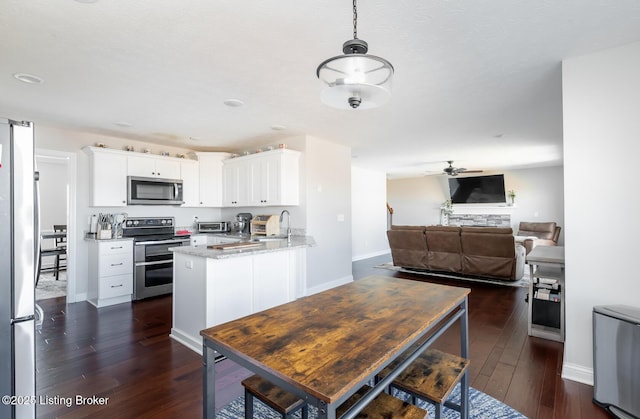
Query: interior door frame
(72, 164)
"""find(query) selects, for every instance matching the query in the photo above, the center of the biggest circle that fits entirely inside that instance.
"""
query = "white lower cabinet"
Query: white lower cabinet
(271, 285)
(110, 272)
(210, 291)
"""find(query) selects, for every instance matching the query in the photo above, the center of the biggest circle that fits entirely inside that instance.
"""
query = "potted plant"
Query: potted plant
(512, 196)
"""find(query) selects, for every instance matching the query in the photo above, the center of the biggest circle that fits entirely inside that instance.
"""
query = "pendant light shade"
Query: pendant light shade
(355, 80)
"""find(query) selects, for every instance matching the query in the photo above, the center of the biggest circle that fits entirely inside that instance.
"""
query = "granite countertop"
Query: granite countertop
(264, 247)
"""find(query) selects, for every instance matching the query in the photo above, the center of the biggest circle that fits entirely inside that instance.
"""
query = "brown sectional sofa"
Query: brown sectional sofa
(474, 251)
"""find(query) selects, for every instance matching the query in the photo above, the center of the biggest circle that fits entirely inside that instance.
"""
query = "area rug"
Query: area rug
(48, 287)
(482, 406)
(523, 282)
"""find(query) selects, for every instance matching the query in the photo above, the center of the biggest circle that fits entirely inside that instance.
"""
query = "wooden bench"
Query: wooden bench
(432, 377)
(383, 406)
(283, 402)
(286, 404)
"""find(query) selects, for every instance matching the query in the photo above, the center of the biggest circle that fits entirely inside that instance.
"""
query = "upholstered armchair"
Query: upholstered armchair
(531, 235)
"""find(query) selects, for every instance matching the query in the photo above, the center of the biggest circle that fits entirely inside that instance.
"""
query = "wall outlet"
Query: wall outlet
(340, 218)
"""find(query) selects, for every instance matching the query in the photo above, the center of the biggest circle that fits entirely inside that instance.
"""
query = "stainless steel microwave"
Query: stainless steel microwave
(153, 191)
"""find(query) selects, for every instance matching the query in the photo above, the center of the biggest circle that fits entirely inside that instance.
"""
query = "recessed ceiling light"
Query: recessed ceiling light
(124, 124)
(28, 78)
(278, 127)
(234, 103)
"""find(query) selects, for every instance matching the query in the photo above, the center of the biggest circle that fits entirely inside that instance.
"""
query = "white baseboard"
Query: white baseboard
(575, 372)
(371, 255)
(78, 297)
(329, 285)
(186, 340)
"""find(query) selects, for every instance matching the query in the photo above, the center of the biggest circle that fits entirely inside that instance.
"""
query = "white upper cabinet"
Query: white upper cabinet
(210, 174)
(150, 166)
(190, 183)
(108, 174)
(234, 190)
(266, 179)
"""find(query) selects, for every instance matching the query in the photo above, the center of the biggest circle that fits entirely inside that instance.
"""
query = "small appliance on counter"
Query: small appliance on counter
(265, 225)
(242, 224)
(212, 226)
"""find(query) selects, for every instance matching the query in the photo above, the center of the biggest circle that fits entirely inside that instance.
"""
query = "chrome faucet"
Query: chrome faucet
(288, 224)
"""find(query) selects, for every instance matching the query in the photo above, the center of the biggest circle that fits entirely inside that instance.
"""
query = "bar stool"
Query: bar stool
(61, 246)
(286, 404)
(283, 402)
(383, 406)
(431, 377)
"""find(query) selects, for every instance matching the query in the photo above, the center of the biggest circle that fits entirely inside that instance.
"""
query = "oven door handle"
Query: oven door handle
(168, 241)
(159, 262)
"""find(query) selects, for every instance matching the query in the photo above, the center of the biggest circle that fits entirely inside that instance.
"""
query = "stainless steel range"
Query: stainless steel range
(153, 236)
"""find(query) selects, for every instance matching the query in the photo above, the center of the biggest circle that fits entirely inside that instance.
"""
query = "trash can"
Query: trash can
(616, 359)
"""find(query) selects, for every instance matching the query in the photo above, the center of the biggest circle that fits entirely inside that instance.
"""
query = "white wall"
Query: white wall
(369, 213)
(53, 186)
(601, 99)
(539, 197)
(416, 201)
(53, 192)
(327, 190)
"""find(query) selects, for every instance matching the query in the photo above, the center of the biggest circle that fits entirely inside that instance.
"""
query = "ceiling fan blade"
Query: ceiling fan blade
(471, 171)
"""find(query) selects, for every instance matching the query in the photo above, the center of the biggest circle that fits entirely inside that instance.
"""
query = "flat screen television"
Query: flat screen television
(477, 189)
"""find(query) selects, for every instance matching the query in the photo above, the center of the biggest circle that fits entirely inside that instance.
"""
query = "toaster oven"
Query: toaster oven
(213, 227)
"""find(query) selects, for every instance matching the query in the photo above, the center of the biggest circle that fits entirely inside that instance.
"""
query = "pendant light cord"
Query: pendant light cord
(355, 20)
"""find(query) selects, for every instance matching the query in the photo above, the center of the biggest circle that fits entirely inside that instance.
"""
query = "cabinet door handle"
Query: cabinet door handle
(116, 247)
(117, 286)
(116, 264)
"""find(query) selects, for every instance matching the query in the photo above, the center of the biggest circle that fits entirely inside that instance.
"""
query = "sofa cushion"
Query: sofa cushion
(540, 230)
(398, 227)
(488, 251)
(408, 247)
(444, 250)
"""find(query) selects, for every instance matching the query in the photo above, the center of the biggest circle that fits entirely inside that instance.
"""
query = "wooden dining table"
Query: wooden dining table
(326, 346)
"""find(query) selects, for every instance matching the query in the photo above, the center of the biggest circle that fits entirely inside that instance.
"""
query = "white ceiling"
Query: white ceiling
(478, 82)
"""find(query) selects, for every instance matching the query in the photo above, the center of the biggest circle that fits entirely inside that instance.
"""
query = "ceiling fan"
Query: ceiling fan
(455, 171)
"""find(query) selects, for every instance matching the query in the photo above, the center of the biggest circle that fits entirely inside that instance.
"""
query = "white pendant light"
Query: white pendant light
(355, 80)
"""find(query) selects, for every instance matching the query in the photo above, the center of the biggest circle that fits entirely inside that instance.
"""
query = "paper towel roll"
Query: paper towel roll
(93, 227)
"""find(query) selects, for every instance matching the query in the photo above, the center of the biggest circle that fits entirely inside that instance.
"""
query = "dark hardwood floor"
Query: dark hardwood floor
(124, 353)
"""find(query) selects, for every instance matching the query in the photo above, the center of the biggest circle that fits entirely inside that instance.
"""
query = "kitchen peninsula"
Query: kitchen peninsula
(216, 285)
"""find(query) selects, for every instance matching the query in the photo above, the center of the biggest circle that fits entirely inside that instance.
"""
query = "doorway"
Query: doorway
(57, 208)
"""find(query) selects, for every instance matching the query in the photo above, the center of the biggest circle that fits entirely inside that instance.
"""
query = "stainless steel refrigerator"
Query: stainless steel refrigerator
(616, 359)
(18, 232)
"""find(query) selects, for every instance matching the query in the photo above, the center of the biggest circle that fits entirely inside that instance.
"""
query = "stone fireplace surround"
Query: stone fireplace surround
(480, 220)
(480, 216)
